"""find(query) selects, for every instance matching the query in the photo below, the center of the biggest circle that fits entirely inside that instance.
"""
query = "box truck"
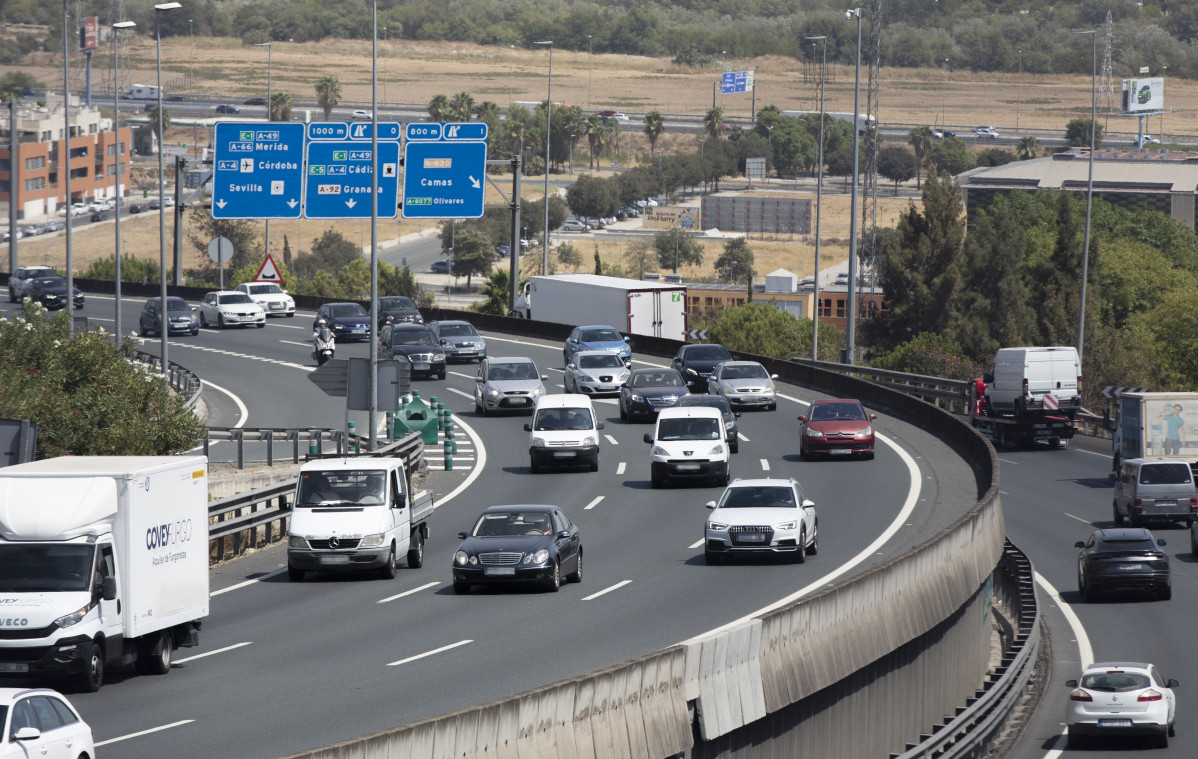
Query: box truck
(651, 309)
(1155, 424)
(103, 563)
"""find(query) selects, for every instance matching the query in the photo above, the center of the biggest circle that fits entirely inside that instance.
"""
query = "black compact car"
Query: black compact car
(538, 545)
(649, 391)
(51, 292)
(417, 344)
(1122, 559)
(349, 321)
(399, 309)
(181, 319)
(255, 101)
(695, 362)
(224, 108)
(731, 427)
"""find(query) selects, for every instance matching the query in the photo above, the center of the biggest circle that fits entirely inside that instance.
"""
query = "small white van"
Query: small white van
(564, 431)
(688, 444)
(1036, 380)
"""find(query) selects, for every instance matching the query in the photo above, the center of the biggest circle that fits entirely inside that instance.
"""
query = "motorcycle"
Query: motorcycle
(322, 347)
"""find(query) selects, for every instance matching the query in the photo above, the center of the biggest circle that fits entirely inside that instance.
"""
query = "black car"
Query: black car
(399, 309)
(225, 108)
(255, 101)
(51, 292)
(1122, 559)
(136, 207)
(519, 544)
(649, 391)
(417, 344)
(99, 215)
(349, 321)
(182, 319)
(441, 266)
(731, 427)
(695, 362)
(175, 99)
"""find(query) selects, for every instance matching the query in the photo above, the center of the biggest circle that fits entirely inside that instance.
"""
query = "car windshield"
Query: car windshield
(706, 353)
(600, 336)
(412, 337)
(709, 401)
(826, 412)
(51, 282)
(396, 302)
(1165, 474)
(176, 304)
(657, 379)
(346, 309)
(266, 290)
(1115, 681)
(689, 429)
(235, 298)
(1132, 545)
(361, 486)
(744, 371)
(46, 567)
(600, 361)
(495, 524)
(765, 496)
(520, 371)
(457, 330)
(563, 419)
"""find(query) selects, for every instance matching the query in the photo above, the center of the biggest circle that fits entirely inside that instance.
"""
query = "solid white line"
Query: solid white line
(1008, 461)
(617, 586)
(697, 543)
(1085, 652)
(620, 468)
(210, 653)
(868, 553)
(1093, 453)
(593, 503)
(765, 465)
(241, 409)
(247, 583)
(143, 732)
(611, 439)
(1083, 521)
(429, 653)
(475, 471)
(297, 342)
(426, 586)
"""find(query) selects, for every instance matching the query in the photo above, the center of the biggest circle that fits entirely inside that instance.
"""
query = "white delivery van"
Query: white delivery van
(564, 431)
(1037, 381)
(688, 444)
(103, 562)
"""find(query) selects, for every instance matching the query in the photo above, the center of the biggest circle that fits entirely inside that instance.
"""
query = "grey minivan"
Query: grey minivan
(1155, 488)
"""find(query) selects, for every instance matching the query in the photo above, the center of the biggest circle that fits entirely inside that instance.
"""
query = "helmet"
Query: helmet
(322, 322)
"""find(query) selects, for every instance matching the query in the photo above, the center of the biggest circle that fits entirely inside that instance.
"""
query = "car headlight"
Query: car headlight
(492, 392)
(716, 526)
(295, 541)
(461, 558)
(538, 442)
(785, 525)
(538, 390)
(73, 618)
(51, 296)
(371, 541)
(638, 398)
(716, 450)
(659, 451)
(812, 433)
(864, 432)
(728, 425)
(540, 557)
(438, 357)
(691, 371)
(729, 389)
(585, 378)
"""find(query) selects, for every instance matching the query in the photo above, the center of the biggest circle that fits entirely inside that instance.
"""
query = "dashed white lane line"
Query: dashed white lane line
(247, 583)
(1083, 521)
(426, 586)
(741, 435)
(765, 465)
(607, 590)
(1085, 651)
(611, 439)
(143, 732)
(250, 356)
(697, 543)
(620, 468)
(593, 503)
(212, 653)
(461, 393)
(434, 652)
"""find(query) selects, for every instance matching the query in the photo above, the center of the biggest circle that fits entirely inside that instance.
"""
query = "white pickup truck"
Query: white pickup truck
(356, 514)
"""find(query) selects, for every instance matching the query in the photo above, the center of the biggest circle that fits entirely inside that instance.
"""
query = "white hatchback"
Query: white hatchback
(1121, 698)
(41, 722)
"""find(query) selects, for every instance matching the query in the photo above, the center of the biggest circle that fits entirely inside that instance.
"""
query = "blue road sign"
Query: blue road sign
(258, 170)
(338, 178)
(736, 81)
(445, 169)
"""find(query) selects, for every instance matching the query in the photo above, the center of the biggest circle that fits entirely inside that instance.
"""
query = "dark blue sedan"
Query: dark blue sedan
(538, 545)
(349, 321)
(51, 292)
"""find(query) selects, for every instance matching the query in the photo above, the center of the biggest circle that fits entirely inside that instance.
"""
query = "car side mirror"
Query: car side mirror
(527, 427)
(1079, 544)
(564, 534)
(801, 418)
(462, 536)
(873, 416)
(711, 505)
(773, 376)
(649, 437)
(736, 415)
(27, 734)
(1160, 542)
(599, 426)
(544, 378)
(1071, 683)
(108, 589)
(626, 338)
(1172, 683)
(808, 504)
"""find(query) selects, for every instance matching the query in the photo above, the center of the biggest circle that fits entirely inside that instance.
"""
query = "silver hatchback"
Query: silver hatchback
(595, 373)
(507, 383)
(744, 383)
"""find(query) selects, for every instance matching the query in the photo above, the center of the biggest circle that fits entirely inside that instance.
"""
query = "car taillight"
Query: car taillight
(1137, 502)
(1025, 387)
(1193, 504)
(1079, 695)
(1150, 695)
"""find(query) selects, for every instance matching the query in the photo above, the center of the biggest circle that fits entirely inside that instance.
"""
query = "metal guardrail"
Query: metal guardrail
(182, 380)
(932, 389)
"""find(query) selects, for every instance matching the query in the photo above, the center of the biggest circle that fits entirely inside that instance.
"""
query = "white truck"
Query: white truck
(356, 514)
(1156, 424)
(103, 562)
(141, 92)
(1033, 396)
(651, 309)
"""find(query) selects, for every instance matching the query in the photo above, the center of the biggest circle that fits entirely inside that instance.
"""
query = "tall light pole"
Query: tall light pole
(769, 144)
(1018, 87)
(590, 68)
(116, 128)
(269, 113)
(374, 223)
(548, 122)
(819, 189)
(1081, 307)
(191, 44)
(851, 331)
(159, 9)
(66, 159)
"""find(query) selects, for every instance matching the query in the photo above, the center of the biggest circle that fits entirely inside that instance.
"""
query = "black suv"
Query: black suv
(695, 362)
(1122, 559)
(417, 344)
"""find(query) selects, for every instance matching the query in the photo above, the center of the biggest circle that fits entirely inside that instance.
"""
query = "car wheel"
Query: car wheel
(1089, 595)
(156, 660)
(813, 549)
(710, 558)
(141, 330)
(481, 408)
(203, 320)
(461, 588)
(1133, 521)
(220, 321)
(441, 374)
(12, 296)
(1118, 515)
(595, 463)
(800, 556)
(868, 456)
(656, 480)
(734, 446)
(727, 475)
(555, 579)
(1165, 593)
(565, 359)
(623, 413)
(263, 324)
(1074, 742)
(416, 550)
(92, 676)
(295, 574)
(1172, 730)
(534, 466)
(1162, 740)
(576, 575)
(387, 571)
(772, 407)
(195, 332)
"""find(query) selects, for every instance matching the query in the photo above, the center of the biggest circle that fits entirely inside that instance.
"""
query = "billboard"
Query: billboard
(1143, 95)
(87, 33)
(664, 217)
(736, 81)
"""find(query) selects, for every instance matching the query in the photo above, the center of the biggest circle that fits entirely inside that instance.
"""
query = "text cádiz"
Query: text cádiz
(264, 166)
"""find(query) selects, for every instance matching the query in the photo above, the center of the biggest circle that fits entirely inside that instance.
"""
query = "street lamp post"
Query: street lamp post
(269, 113)
(590, 67)
(1019, 82)
(116, 128)
(851, 331)
(66, 159)
(548, 122)
(819, 188)
(191, 43)
(159, 9)
(1081, 307)
(769, 144)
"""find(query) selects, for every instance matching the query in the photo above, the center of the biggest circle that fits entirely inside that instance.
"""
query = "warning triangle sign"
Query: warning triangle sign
(269, 272)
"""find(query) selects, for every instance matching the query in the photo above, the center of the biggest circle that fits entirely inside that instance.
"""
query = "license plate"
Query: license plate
(517, 401)
(275, 306)
(839, 452)
(14, 667)
(1129, 567)
(334, 559)
(751, 538)
(687, 467)
(1166, 504)
(563, 454)
(500, 571)
(358, 331)
(420, 367)
(1114, 723)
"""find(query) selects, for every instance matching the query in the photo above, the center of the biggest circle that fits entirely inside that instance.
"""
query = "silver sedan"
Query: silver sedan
(595, 373)
(744, 383)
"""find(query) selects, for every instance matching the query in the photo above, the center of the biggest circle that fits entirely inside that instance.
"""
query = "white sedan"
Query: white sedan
(273, 299)
(761, 516)
(361, 114)
(1121, 698)
(225, 308)
(41, 722)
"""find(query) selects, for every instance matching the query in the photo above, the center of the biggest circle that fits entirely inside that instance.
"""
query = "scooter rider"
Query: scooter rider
(322, 337)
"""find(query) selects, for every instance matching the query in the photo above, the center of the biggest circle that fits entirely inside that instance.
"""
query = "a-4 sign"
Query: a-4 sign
(338, 181)
(257, 170)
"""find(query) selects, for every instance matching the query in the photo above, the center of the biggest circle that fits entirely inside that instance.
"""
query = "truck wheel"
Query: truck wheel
(294, 574)
(387, 572)
(416, 550)
(92, 677)
(156, 659)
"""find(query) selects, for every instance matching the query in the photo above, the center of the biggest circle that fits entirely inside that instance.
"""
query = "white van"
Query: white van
(1036, 380)
(564, 431)
(688, 443)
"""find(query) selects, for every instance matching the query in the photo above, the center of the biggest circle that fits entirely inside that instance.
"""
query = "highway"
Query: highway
(283, 666)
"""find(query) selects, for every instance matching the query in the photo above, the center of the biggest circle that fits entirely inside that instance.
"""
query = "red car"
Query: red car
(836, 427)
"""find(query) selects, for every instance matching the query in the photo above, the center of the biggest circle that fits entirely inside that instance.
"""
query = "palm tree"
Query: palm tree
(713, 122)
(655, 125)
(595, 131)
(438, 108)
(461, 108)
(611, 136)
(1027, 148)
(280, 107)
(152, 115)
(328, 93)
(921, 140)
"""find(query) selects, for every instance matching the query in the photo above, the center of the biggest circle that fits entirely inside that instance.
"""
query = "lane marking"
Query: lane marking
(593, 503)
(475, 471)
(241, 409)
(1008, 461)
(462, 393)
(611, 439)
(765, 465)
(296, 342)
(1085, 651)
(140, 733)
(210, 653)
(620, 468)
(429, 653)
(1083, 521)
(741, 436)
(605, 591)
(697, 543)
(426, 586)
(235, 354)
(465, 376)
(247, 583)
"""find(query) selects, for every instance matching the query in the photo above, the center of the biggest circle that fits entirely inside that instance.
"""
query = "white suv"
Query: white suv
(564, 431)
(761, 516)
(688, 444)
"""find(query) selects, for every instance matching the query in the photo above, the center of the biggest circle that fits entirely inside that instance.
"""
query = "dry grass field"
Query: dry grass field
(412, 72)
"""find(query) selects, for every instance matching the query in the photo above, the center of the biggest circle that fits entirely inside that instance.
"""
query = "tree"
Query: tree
(676, 246)
(951, 156)
(1027, 148)
(328, 94)
(13, 82)
(639, 257)
(496, 293)
(897, 164)
(761, 329)
(329, 253)
(569, 257)
(202, 228)
(920, 139)
(995, 157)
(591, 197)
(397, 280)
(655, 125)
(598, 261)
(595, 130)
(713, 122)
(1077, 134)
(280, 106)
(438, 108)
(473, 254)
(735, 264)
(152, 115)
(461, 107)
